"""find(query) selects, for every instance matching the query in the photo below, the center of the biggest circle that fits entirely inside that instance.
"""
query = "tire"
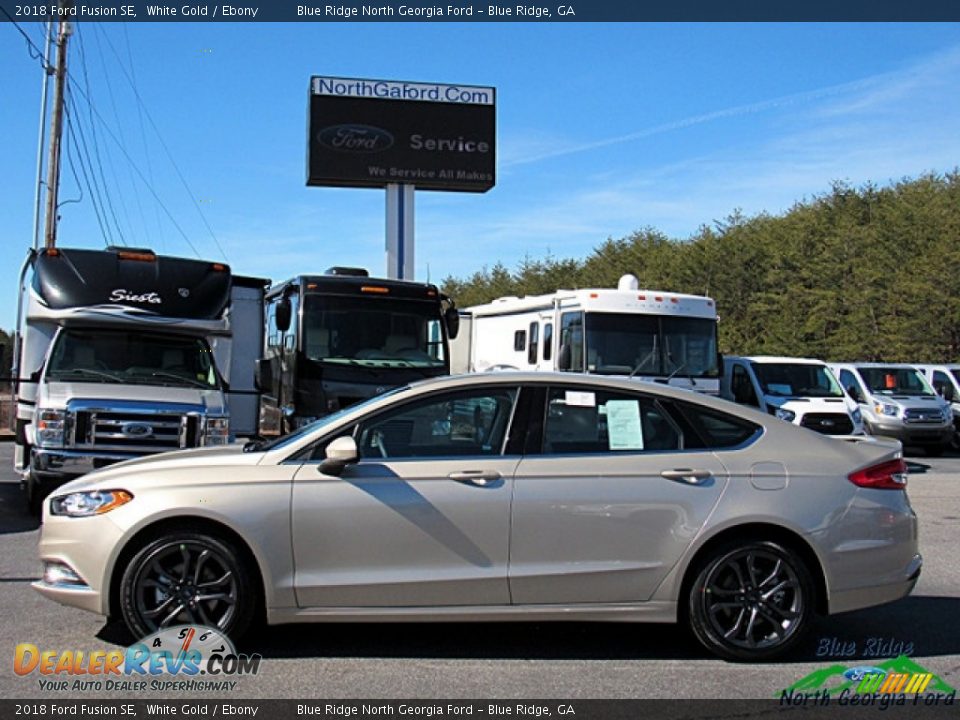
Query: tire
(726, 594)
(178, 570)
(34, 495)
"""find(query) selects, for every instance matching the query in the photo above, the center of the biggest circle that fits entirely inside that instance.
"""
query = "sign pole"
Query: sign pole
(400, 232)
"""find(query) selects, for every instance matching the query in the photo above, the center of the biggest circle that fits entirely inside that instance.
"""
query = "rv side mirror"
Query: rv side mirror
(452, 318)
(340, 453)
(283, 313)
(264, 375)
(564, 357)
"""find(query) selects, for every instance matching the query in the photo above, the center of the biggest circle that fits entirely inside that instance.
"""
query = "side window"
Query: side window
(273, 335)
(520, 340)
(580, 420)
(453, 424)
(534, 343)
(548, 341)
(717, 429)
(850, 384)
(940, 381)
(742, 387)
(571, 342)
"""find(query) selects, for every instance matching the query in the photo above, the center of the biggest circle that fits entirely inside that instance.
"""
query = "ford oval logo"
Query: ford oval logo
(136, 430)
(353, 138)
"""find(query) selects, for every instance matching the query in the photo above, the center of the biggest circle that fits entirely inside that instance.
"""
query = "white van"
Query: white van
(802, 391)
(946, 382)
(897, 401)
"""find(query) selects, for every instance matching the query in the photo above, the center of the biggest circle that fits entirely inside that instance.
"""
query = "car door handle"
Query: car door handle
(475, 477)
(687, 475)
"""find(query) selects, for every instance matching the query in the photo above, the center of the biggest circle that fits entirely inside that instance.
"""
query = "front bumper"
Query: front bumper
(85, 545)
(72, 463)
(915, 434)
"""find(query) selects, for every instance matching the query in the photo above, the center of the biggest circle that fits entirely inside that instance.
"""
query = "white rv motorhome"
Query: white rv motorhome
(123, 353)
(647, 334)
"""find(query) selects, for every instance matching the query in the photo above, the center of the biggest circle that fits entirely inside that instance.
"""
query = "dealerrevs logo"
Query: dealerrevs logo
(354, 138)
(171, 659)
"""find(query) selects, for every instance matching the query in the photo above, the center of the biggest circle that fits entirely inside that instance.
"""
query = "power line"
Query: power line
(96, 149)
(166, 149)
(94, 198)
(153, 192)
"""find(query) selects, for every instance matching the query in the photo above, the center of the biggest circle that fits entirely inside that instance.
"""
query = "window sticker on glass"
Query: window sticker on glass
(623, 425)
(579, 398)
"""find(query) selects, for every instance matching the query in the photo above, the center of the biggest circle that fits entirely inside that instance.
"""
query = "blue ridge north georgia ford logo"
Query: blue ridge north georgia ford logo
(354, 138)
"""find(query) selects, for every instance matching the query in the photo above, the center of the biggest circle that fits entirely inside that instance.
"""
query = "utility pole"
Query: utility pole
(65, 29)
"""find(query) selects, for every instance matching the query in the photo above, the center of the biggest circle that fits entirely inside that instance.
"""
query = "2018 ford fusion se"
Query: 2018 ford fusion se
(510, 496)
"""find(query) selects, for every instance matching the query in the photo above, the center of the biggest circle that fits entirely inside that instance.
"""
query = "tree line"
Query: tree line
(857, 273)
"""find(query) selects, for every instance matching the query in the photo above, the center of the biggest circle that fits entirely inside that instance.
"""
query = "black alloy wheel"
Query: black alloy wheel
(187, 578)
(751, 600)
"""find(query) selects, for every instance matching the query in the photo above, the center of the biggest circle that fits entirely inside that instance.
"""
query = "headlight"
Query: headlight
(92, 502)
(785, 414)
(217, 431)
(947, 413)
(857, 416)
(50, 428)
(885, 409)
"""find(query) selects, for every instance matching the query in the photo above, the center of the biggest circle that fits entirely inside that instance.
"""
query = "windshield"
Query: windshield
(371, 331)
(621, 344)
(131, 358)
(895, 381)
(797, 380)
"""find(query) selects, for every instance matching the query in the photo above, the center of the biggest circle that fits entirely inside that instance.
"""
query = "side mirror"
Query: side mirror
(948, 394)
(283, 314)
(263, 377)
(854, 392)
(452, 319)
(340, 453)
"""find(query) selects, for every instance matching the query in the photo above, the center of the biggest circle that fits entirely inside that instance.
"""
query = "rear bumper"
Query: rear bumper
(864, 597)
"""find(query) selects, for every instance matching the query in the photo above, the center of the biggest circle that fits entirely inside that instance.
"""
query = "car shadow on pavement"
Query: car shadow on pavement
(919, 625)
(14, 517)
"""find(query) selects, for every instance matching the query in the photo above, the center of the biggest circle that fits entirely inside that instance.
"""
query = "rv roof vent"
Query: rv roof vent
(354, 272)
(628, 282)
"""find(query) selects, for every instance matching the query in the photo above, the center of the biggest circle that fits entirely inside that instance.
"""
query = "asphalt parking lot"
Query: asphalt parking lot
(523, 660)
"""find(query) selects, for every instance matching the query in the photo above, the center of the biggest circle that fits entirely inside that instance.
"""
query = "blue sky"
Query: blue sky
(603, 129)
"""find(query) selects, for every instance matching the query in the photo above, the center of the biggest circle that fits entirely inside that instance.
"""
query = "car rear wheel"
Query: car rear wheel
(751, 600)
(185, 578)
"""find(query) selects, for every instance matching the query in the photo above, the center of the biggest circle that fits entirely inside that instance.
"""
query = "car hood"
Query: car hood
(129, 470)
(810, 404)
(58, 394)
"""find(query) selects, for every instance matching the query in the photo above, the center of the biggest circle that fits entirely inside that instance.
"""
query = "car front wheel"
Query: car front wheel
(185, 578)
(751, 600)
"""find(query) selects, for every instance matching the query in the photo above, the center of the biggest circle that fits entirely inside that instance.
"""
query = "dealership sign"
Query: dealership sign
(373, 133)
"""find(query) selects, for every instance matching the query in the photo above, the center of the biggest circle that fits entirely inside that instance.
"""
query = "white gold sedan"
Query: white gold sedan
(508, 496)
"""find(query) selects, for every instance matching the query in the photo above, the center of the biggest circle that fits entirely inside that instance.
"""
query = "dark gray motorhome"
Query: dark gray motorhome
(123, 353)
(335, 339)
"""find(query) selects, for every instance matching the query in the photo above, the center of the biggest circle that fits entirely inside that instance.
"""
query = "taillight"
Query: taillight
(889, 475)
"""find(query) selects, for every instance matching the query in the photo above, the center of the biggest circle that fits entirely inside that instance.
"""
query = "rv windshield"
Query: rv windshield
(131, 358)
(797, 380)
(651, 345)
(372, 331)
(895, 381)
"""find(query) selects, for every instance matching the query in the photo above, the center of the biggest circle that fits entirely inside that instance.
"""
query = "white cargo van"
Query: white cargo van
(897, 401)
(802, 391)
(946, 382)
